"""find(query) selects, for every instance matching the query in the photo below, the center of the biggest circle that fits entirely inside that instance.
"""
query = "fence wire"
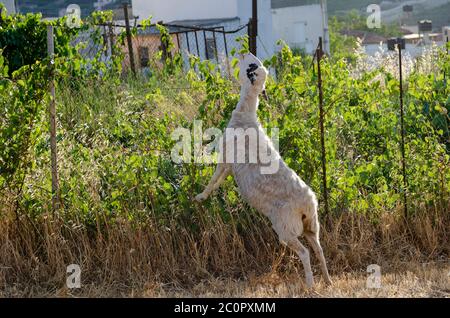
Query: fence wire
(150, 50)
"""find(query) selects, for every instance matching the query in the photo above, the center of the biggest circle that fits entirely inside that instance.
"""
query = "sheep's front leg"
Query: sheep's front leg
(222, 171)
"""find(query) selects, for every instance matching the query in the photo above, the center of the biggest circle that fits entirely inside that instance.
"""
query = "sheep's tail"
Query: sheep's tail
(312, 218)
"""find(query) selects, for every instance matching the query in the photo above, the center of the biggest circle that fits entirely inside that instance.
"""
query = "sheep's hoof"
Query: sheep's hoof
(200, 197)
(309, 282)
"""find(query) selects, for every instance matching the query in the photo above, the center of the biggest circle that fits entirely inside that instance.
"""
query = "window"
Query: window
(143, 56)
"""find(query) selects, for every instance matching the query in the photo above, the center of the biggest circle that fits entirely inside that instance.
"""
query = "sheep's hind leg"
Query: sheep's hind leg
(303, 254)
(313, 239)
(289, 236)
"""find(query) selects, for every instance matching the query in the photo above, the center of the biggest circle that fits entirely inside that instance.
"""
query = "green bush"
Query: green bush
(114, 137)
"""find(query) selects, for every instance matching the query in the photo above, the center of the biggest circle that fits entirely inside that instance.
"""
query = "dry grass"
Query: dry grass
(428, 280)
(410, 280)
(220, 259)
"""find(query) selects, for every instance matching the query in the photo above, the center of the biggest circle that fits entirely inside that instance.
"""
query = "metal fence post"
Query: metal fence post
(166, 54)
(129, 39)
(206, 45)
(52, 111)
(111, 38)
(196, 43)
(402, 128)
(319, 54)
(251, 36)
(446, 49)
(253, 27)
(227, 61)
(178, 41)
(215, 46)
(187, 42)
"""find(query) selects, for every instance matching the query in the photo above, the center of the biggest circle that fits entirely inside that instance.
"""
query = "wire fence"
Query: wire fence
(146, 44)
(90, 47)
(212, 43)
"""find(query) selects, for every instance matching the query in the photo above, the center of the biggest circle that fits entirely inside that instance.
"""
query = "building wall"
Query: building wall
(299, 27)
(265, 43)
(172, 10)
(9, 4)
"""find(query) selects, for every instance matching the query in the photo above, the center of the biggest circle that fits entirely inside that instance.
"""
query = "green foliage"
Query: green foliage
(172, 62)
(21, 101)
(114, 135)
(354, 21)
(24, 40)
(24, 81)
(343, 46)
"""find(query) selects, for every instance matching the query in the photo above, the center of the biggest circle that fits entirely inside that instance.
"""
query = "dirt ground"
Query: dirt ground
(415, 280)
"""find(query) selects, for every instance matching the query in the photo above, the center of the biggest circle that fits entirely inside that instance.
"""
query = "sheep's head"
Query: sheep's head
(252, 72)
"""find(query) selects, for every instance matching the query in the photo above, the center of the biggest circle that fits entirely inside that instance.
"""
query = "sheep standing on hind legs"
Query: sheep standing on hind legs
(277, 193)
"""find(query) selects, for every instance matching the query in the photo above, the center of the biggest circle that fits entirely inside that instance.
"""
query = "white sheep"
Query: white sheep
(278, 193)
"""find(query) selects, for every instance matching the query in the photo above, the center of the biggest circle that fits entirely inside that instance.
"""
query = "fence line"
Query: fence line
(402, 131)
(148, 40)
(208, 43)
(319, 54)
(193, 43)
(129, 41)
(188, 27)
(52, 113)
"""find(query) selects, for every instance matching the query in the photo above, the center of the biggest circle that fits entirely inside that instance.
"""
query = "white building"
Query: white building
(212, 13)
(9, 5)
(298, 22)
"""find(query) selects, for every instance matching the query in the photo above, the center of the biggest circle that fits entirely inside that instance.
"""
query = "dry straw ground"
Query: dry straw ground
(221, 260)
